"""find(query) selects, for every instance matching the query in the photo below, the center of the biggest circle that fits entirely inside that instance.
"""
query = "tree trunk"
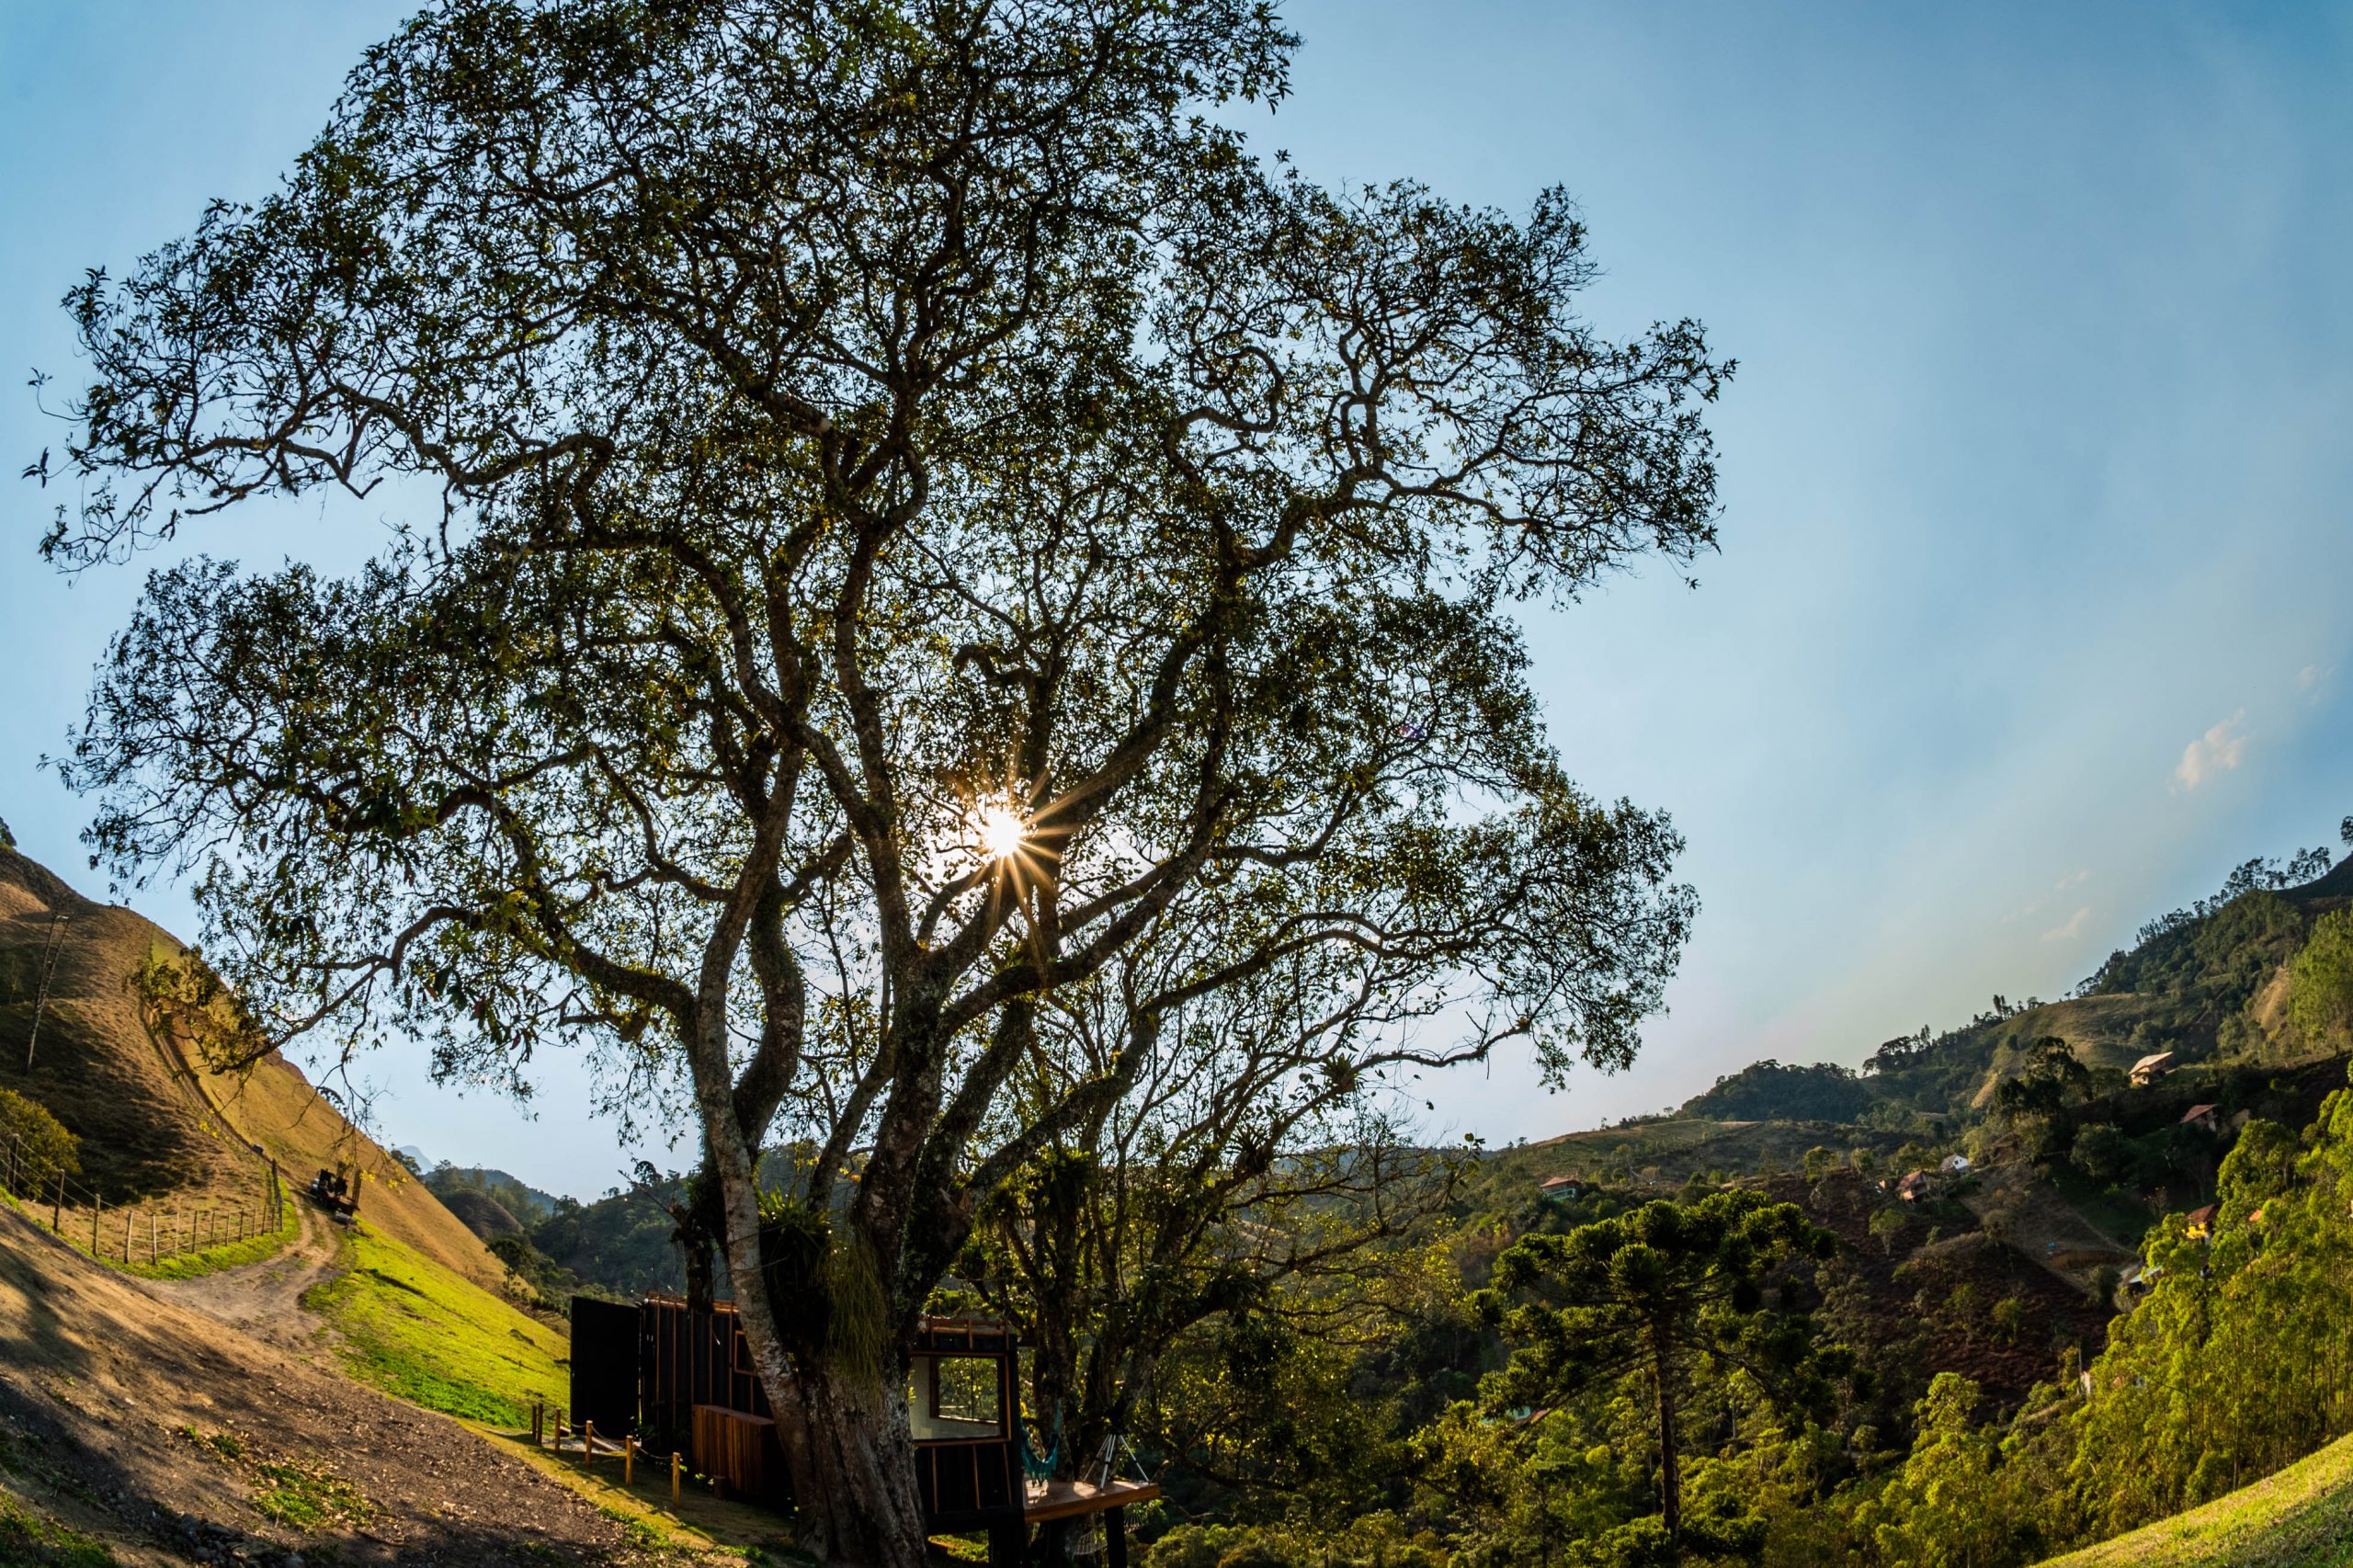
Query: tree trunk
(853, 1471)
(1670, 1472)
(844, 1429)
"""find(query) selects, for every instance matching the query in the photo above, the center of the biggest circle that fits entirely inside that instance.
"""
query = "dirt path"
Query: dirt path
(264, 1299)
(135, 1411)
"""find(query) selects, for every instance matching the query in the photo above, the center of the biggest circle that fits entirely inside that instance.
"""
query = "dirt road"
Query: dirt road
(139, 1414)
(264, 1299)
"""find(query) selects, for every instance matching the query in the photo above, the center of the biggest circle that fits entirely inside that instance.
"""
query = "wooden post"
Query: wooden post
(587, 1441)
(98, 1206)
(629, 1460)
(57, 1208)
(151, 1237)
(673, 1475)
(535, 1423)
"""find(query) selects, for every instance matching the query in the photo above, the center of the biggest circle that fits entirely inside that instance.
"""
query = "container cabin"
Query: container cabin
(681, 1380)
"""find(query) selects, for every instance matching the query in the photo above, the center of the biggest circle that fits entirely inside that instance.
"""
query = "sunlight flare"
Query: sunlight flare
(1004, 831)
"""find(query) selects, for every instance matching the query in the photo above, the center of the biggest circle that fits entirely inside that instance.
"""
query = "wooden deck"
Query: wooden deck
(1077, 1499)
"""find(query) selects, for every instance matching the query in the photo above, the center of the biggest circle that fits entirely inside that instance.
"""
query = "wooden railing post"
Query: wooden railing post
(629, 1459)
(57, 1208)
(673, 1475)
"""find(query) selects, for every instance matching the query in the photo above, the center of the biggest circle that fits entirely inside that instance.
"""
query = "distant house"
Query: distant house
(2205, 1117)
(1955, 1164)
(2149, 1069)
(1560, 1186)
(2201, 1224)
(1915, 1186)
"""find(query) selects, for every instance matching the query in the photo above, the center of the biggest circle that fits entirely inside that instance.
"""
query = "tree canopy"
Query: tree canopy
(909, 537)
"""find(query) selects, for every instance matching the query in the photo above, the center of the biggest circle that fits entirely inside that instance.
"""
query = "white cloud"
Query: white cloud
(2072, 878)
(2072, 928)
(2312, 680)
(2219, 750)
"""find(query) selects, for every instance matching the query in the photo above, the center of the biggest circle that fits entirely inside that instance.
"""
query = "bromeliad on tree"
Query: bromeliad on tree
(908, 530)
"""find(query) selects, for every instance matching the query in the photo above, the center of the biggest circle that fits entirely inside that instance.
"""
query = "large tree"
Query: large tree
(896, 510)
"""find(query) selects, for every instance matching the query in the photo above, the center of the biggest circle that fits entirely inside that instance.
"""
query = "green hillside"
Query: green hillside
(2209, 983)
(2300, 1517)
(431, 1336)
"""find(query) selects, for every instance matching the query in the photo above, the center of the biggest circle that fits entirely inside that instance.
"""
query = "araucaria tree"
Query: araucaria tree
(911, 527)
(1654, 1294)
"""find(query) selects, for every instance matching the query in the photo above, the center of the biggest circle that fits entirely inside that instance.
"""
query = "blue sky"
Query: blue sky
(2030, 616)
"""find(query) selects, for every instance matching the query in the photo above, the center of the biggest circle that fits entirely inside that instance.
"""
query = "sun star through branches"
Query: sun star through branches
(1004, 832)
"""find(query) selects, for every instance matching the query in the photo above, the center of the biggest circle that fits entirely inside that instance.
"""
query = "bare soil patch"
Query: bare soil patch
(174, 1437)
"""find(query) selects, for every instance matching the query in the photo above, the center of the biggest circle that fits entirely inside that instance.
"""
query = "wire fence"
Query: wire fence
(136, 1232)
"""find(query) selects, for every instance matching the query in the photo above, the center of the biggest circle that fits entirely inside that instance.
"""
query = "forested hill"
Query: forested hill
(2212, 983)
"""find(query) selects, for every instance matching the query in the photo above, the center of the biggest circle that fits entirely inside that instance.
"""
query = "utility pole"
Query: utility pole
(50, 953)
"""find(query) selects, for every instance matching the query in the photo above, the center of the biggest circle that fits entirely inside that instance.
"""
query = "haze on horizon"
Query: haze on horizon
(2027, 624)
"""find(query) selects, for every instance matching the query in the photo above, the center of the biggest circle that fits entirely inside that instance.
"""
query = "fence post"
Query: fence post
(151, 1238)
(57, 1208)
(98, 1206)
(629, 1460)
(673, 1475)
(587, 1441)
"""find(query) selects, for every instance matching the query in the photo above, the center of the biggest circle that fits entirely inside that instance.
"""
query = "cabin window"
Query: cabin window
(964, 1388)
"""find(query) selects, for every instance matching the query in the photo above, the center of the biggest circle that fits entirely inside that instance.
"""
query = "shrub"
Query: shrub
(34, 1144)
(1189, 1546)
(1886, 1225)
(2009, 1318)
(1258, 1553)
(2102, 1152)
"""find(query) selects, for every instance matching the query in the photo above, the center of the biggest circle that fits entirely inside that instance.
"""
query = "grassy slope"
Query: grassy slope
(2300, 1518)
(156, 1130)
(147, 1133)
(426, 1333)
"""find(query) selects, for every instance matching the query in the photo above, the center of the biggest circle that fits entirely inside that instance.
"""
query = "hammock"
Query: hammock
(1034, 1468)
